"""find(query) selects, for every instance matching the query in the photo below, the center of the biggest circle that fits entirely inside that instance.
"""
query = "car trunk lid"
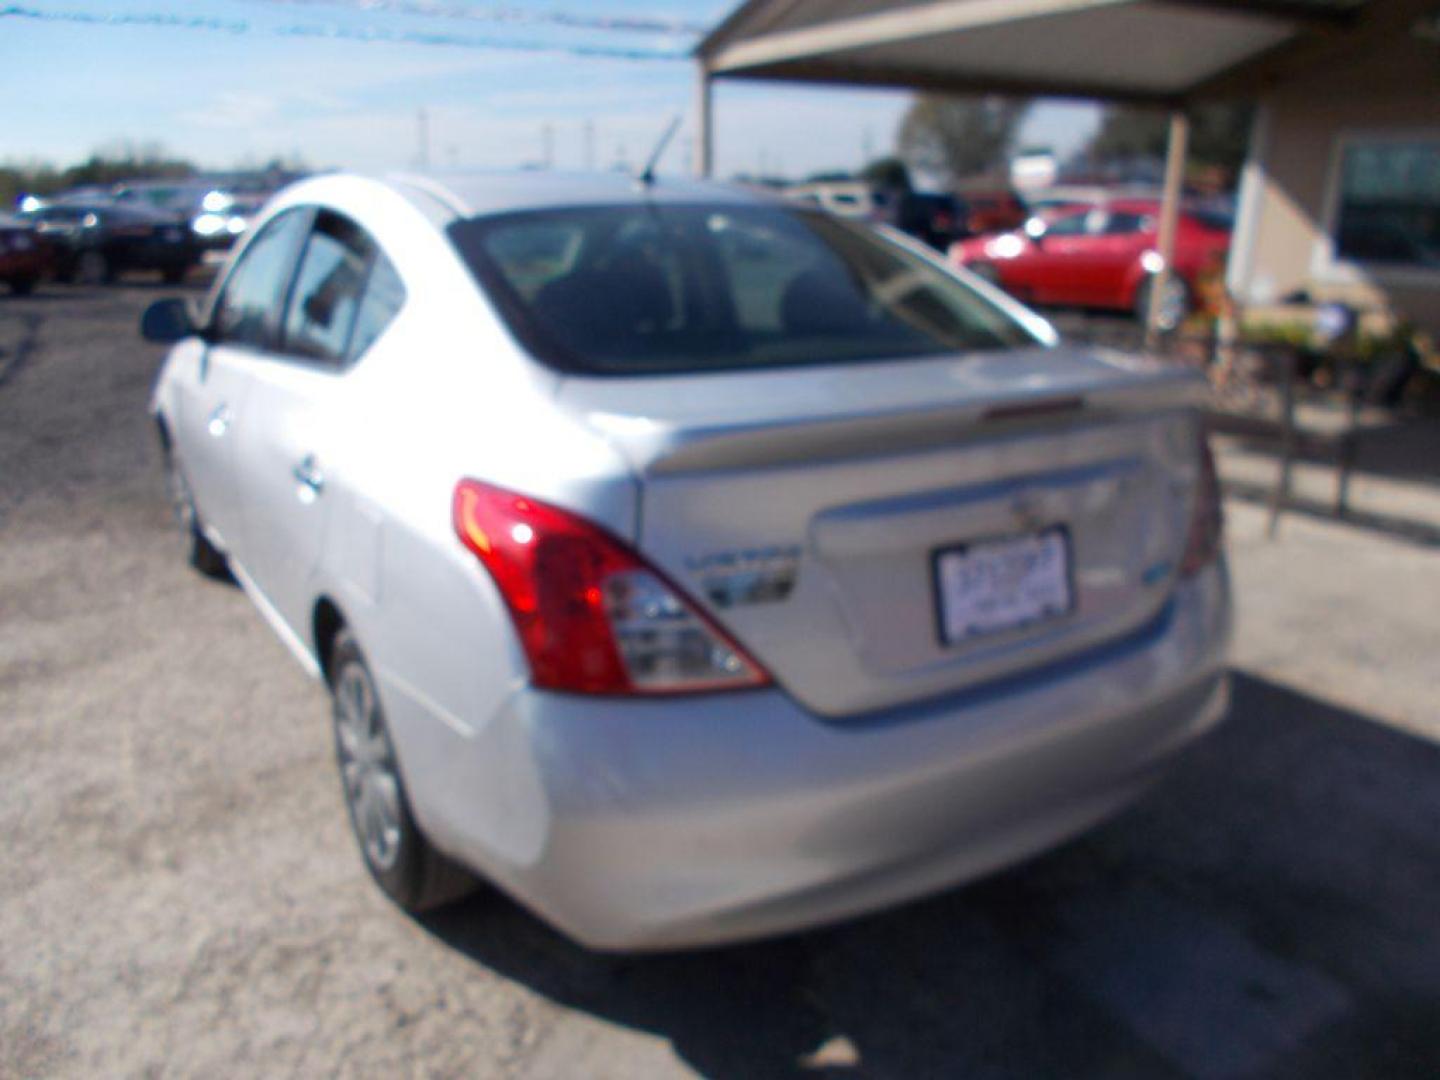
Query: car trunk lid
(814, 512)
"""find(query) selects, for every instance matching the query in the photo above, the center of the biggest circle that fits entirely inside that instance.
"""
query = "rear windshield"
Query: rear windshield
(653, 289)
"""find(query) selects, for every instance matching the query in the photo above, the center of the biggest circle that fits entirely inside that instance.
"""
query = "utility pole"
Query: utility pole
(422, 125)
(590, 145)
(547, 139)
(1175, 157)
(704, 125)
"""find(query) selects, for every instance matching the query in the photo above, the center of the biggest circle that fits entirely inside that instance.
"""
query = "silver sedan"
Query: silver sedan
(690, 565)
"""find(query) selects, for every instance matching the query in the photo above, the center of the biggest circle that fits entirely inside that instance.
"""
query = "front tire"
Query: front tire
(22, 286)
(1174, 304)
(402, 862)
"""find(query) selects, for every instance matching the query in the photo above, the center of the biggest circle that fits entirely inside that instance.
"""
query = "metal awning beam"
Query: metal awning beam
(922, 21)
(884, 28)
(1309, 15)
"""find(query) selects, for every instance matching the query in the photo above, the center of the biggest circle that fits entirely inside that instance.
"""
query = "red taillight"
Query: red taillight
(593, 617)
(1207, 518)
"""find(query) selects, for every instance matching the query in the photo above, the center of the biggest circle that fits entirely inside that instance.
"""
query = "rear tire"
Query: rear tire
(199, 552)
(22, 286)
(402, 862)
(92, 268)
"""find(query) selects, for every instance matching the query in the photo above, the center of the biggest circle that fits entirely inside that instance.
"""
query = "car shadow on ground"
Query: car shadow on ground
(1269, 910)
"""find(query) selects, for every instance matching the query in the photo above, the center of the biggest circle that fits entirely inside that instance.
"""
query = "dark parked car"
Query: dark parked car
(96, 242)
(212, 214)
(934, 219)
(24, 257)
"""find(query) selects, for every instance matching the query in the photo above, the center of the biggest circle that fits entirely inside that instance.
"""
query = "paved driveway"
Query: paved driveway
(179, 894)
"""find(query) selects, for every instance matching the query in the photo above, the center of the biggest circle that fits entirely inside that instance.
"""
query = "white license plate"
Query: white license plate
(998, 585)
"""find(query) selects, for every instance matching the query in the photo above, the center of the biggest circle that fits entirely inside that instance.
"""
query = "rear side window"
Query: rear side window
(327, 290)
(247, 311)
(384, 296)
(642, 289)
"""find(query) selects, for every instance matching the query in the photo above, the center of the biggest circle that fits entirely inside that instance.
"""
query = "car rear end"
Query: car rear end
(24, 258)
(882, 623)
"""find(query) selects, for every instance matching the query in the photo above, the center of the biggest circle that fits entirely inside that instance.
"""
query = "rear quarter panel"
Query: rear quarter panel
(444, 394)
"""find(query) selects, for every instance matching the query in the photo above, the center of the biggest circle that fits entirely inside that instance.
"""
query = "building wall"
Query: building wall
(1393, 90)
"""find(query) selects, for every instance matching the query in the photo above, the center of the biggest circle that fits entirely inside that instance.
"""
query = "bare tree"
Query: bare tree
(960, 136)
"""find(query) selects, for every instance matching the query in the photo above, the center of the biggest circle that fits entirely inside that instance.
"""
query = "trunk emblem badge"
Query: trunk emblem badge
(752, 576)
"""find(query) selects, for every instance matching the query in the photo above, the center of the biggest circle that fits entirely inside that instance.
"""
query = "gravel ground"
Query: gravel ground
(179, 894)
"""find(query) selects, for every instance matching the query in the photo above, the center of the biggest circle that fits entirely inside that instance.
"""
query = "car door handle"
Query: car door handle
(309, 475)
(219, 421)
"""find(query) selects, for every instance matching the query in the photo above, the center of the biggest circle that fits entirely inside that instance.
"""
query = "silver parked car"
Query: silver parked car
(690, 565)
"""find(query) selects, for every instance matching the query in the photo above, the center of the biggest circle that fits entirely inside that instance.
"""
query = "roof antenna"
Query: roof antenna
(647, 178)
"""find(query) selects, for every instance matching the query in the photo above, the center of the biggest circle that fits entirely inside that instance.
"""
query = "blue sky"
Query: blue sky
(342, 82)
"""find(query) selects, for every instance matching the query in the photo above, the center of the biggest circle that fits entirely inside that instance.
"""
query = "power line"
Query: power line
(432, 9)
(363, 34)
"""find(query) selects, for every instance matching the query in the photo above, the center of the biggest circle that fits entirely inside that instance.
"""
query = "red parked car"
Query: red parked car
(1099, 257)
(25, 258)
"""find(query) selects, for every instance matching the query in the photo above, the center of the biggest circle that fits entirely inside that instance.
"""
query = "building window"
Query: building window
(1389, 204)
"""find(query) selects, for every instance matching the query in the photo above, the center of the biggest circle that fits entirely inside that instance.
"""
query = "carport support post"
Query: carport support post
(704, 125)
(1169, 217)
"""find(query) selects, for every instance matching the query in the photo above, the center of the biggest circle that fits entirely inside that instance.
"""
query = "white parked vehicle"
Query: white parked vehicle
(690, 565)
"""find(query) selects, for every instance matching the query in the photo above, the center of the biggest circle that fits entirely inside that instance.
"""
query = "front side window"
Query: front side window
(327, 290)
(1389, 203)
(247, 311)
(640, 289)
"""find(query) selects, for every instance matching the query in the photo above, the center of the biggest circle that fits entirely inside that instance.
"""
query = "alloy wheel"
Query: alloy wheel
(367, 768)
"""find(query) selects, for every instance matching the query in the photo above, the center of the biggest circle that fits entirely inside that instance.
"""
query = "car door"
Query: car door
(214, 379)
(290, 450)
(1043, 272)
(1127, 235)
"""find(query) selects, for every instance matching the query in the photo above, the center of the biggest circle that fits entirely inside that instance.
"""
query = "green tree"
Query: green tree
(890, 173)
(960, 136)
(107, 165)
(1219, 136)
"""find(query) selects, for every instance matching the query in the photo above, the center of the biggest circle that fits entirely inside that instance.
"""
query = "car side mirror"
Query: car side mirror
(167, 321)
(1036, 229)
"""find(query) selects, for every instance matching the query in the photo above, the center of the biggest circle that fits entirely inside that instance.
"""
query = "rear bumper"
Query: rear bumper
(661, 824)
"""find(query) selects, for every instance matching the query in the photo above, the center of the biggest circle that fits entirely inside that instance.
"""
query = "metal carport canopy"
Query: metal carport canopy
(1159, 51)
